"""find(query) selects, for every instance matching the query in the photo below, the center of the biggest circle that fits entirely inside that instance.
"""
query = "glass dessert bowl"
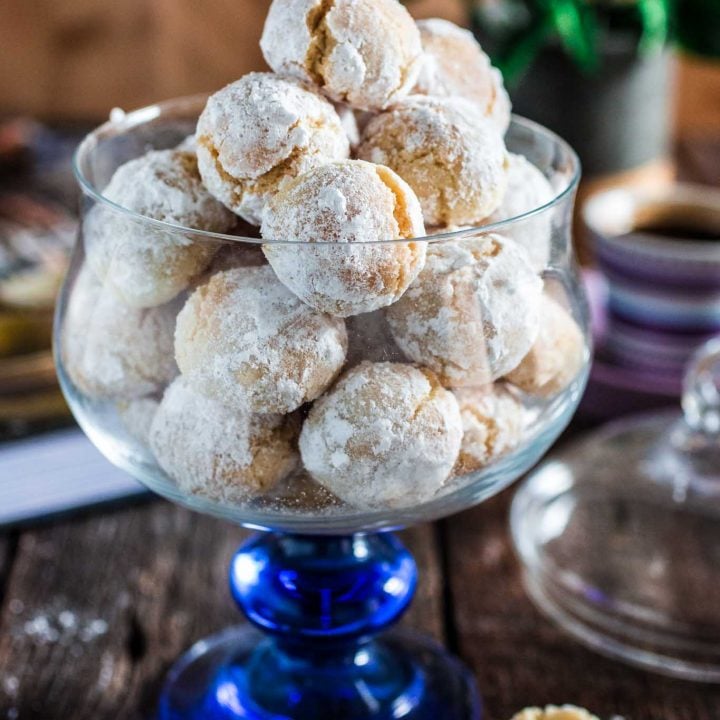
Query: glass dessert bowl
(246, 378)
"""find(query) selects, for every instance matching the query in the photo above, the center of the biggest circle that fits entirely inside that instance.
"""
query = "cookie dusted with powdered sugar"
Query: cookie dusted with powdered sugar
(386, 435)
(493, 422)
(472, 314)
(454, 65)
(556, 356)
(527, 189)
(365, 53)
(223, 453)
(259, 132)
(246, 340)
(552, 712)
(146, 264)
(112, 351)
(453, 158)
(331, 220)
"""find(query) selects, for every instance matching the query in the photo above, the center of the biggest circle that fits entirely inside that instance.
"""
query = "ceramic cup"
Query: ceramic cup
(659, 253)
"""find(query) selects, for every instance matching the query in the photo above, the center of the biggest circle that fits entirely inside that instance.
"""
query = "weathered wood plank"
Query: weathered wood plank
(97, 609)
(427, 612)
(521, 659)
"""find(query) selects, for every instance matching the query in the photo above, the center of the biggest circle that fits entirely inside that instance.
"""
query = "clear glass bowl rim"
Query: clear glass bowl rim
(121, 121)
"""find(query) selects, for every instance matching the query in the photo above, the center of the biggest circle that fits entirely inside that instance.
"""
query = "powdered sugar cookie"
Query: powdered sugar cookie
(452, 157)
(245, 339)
(556, 356)
(386, 435)
(331, 219)
(364, 53)
(223, 453)
(259, 132)
(551, 712)
(112, 351)
(527, 189)
(472, 313)
(493, 423)
(145, 264)
(454, 64)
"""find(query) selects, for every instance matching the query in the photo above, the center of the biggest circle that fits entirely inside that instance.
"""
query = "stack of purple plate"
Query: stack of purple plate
(656, 297)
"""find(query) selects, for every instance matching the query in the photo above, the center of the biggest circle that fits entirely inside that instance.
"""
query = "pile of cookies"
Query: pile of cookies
(376, 371)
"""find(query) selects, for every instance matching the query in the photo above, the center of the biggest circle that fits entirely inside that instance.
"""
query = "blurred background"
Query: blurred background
(633, 85)
(72, 61)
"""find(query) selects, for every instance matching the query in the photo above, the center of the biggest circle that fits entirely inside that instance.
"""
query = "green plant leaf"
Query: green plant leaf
(520, 28)
(576, 29)
(655, 17)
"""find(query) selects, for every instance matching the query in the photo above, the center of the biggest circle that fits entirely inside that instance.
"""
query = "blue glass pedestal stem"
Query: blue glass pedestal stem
(319, 603)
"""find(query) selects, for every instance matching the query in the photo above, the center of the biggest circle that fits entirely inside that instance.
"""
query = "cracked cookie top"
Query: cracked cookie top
(245, 339)
(471, 315)
(387, 434)
(454, 65)
(447, 151)
(331, 220)
(365, 53)
(259, 132)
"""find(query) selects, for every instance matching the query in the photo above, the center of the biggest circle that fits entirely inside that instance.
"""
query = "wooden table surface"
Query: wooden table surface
(95, 609)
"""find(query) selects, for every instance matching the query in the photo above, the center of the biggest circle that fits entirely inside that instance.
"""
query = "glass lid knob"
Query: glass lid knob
(701, 391)
(691, 458)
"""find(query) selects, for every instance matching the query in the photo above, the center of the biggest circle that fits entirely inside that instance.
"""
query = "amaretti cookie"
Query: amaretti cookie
(556, 356)
(146, 264)
(112, 351)
(364, 53)
(493, 423)
(221, 452)
(386, 435)
(552, 712)
(259, 132)
(452, 157)
(527, 189)
(246, 340)
(324, 229)
(473, 312)
(454, 64)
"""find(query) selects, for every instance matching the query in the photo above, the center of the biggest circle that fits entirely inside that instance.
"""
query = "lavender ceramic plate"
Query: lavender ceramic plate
(614, 390)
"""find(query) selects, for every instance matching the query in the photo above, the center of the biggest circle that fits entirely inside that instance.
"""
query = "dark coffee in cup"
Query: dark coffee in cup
(677, 221)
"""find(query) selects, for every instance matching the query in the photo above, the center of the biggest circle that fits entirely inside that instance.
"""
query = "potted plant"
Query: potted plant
(596, 71)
